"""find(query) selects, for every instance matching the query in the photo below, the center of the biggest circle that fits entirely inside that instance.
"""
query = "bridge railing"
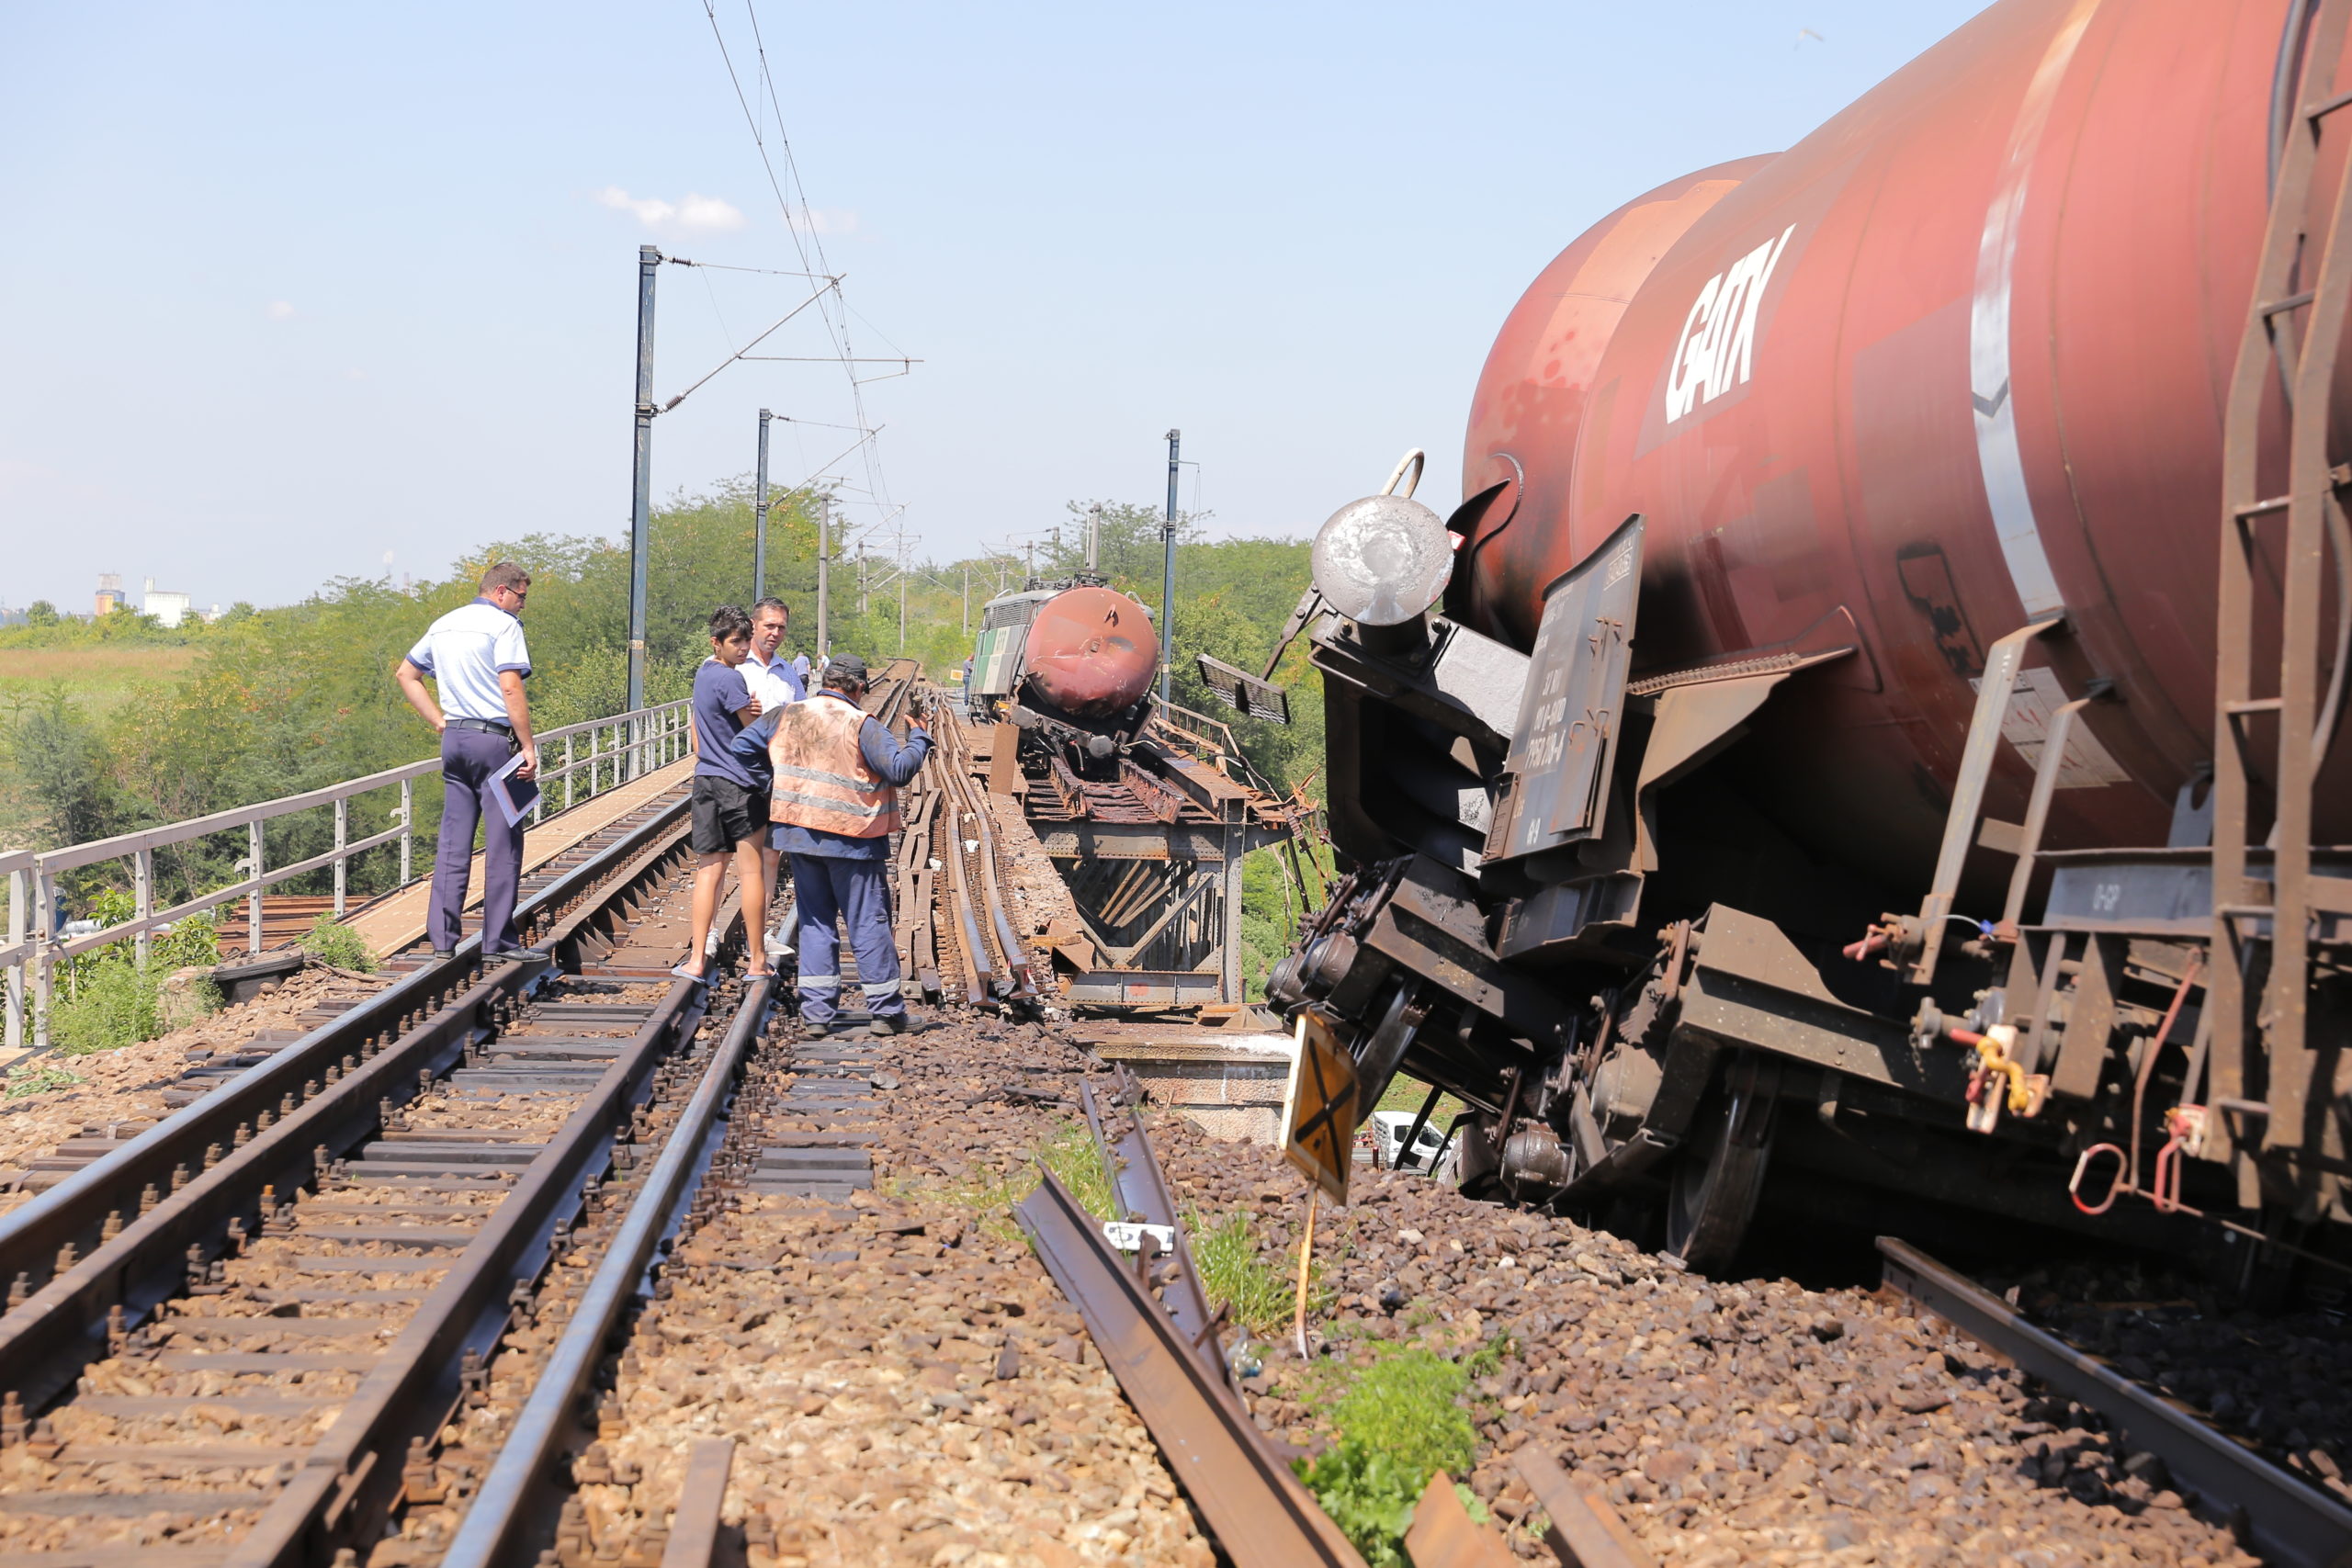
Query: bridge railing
(577, 762)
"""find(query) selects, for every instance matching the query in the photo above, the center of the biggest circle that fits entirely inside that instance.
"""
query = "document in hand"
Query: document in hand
(516, 796)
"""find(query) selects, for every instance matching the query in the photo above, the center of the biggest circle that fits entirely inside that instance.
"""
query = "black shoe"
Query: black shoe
(894, 1024)
(443, 954)
(515, 955)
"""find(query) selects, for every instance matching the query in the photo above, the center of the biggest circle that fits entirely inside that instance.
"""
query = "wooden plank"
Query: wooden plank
(118, 1557)
(181, 1404)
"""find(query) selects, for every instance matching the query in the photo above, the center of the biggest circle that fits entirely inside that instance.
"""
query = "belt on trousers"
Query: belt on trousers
(488, 726)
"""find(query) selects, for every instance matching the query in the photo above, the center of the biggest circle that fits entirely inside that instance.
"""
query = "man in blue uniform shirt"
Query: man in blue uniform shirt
(476, 655)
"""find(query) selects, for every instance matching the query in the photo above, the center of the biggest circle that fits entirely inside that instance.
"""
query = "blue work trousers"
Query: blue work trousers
(856, 892)
(469, 758)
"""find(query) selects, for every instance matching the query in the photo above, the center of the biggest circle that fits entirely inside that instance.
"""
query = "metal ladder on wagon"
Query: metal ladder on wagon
(2305, 363)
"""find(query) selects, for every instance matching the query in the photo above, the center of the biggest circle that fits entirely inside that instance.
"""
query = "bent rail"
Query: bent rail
(617, 748)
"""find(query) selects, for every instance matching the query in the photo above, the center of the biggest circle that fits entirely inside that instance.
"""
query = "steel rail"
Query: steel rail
(1262, 1517)
(1007, 972)
(972, 950)
(1015, 957)
(328, 1092)
(546, 1418)
(1585, 1530)
(1023, 984)
(1141, 1188)
(2288, 1521)
(693, 1525)
(348, 1481)
(980, 972)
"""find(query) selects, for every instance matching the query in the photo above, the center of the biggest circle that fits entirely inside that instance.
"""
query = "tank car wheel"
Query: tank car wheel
(1720, 1173)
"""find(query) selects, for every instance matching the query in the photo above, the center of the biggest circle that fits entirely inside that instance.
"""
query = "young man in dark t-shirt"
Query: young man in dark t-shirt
(730, 801)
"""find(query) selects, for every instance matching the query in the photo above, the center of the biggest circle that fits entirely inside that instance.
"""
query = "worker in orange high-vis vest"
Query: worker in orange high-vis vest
(834, 803)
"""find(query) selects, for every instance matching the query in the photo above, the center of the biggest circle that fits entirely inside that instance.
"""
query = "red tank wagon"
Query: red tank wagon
(1811, 760)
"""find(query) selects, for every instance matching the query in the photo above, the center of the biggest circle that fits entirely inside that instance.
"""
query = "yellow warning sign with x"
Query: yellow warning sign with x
(1320, 1108)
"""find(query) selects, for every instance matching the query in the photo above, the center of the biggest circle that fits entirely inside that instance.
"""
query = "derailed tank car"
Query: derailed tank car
(1071, 662)
(1872, 719)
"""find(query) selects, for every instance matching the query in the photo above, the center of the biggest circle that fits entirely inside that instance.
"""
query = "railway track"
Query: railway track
(2286, 1517)
(229, 1337)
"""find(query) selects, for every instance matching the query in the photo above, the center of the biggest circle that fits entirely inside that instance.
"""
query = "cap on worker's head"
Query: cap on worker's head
(846, 670)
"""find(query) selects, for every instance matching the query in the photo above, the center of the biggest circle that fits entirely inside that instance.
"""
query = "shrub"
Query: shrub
(115, 1004)
(1369, 1497)
(1401, 1422)
(191, 944)
(1408, 1406)
(330, 942)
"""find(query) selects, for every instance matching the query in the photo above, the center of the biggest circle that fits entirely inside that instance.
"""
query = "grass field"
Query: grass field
(98, 678)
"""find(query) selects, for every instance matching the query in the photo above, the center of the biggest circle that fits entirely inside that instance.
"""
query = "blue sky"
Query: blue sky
(290, 288)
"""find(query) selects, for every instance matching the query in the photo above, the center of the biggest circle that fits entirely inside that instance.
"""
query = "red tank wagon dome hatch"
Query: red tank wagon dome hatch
(1879, 729)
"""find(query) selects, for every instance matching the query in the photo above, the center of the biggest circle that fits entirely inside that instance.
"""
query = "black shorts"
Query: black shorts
(726, 812)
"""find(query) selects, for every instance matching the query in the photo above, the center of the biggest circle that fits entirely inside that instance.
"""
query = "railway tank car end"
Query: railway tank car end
(1817, 747)
(1071, 664)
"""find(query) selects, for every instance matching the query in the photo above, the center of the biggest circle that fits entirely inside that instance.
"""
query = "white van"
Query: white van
(1390, 1127)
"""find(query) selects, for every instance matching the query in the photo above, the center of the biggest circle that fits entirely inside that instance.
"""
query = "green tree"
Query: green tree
(61, 756)
(40, 612)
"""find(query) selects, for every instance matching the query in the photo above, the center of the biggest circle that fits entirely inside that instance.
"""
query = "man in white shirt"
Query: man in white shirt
(778, 682)
(476, 655)
(773, 678)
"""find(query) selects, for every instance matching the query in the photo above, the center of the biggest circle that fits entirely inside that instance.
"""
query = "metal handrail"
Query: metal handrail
(642, 739)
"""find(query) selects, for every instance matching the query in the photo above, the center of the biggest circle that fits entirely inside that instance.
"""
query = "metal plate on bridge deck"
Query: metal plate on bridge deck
(859, 1112)
(630, 1015)
(817, 1159)
(131, 1506)
(398, 1150)
(385, 1235)
(581, 1047)
(553, 1078)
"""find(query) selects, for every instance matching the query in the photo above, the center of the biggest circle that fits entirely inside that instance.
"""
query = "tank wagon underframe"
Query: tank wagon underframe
(1599, 1066)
